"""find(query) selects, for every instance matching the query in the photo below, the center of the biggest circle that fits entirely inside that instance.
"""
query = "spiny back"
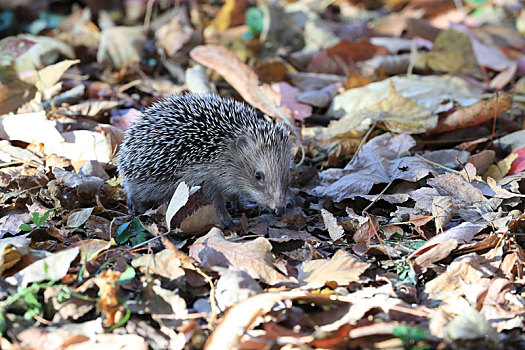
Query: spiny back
(184, 130)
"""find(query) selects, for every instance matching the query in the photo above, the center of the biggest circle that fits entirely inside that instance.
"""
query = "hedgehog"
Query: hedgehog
(221, 144)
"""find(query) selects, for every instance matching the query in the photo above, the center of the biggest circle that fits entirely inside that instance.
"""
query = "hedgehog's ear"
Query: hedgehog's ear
(243, 141)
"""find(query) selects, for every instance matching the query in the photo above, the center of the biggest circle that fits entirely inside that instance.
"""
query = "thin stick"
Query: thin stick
(147, 17)
(361, 144)
(378, 196)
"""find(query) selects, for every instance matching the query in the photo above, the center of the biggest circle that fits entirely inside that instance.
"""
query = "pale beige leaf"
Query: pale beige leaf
(342, 268)
(330, 222)
(121, 46)
(48, 76)
(253, 257)
(52, 267)
(163, 263)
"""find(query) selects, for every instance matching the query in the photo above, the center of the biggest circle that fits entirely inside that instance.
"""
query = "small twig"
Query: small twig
(147, 17)
(372, 228)
(378, 196)
(150, 240)
(361, 144)
(439, 165)
(495, 118)
(412, 60)
(464, 169)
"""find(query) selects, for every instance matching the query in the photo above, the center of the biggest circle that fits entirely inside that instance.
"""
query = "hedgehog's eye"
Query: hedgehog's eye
(259, 176)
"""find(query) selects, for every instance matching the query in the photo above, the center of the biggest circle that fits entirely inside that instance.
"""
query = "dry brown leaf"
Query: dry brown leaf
(462, 192)
(107, 282)
(242, 78)
(342, 268)
(12, 249)
(452, 53)
(163, 263)
(52, 267)
(380, 161)
(401, 114)
(475, 114)
(436, 253)
(121, 46)
(482, 160)
(48, 76)
(78, 339)
(497, 171)
(173, 35)
(243, 316)
(463, 234)
(465, 271)
(91, 108)
(14, 94)
(230, 15)
(252, 257)
(330, 222)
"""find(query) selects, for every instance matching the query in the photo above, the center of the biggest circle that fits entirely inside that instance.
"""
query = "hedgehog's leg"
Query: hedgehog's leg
(144, 195)
(135, 205)
(215, 198)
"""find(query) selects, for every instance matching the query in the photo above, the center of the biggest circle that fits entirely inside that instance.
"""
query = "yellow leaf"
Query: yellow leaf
(498, 171)
(452, 53)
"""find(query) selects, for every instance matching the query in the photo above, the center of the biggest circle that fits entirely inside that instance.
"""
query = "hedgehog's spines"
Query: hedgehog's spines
(192, 138)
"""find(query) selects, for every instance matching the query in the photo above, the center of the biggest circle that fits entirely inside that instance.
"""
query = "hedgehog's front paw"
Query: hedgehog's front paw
(226, 219)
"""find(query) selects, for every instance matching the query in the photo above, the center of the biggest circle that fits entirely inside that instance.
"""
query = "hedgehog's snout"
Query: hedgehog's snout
(278, 202)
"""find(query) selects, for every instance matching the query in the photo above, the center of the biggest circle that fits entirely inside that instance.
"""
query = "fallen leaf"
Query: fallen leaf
(13, 47)
(178, 200)
(48, 76)
(242, 316)
(401, 114)
(288, 98)
(78, 218)
(252, 257)
(52, 267)
(518, 164)
(30, 128)
(90, 248)
(378, 162)
(14, 94)
(452, 53)
(475, 114)
(164, 263)
(499, 170)
(121, 46)
(330, 222)
(342, 269)
(173, 35)
(242, 78)
(12, 249)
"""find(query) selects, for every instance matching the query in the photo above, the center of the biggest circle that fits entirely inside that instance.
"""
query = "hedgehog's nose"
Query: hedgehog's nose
(279, 203)
(279, 210)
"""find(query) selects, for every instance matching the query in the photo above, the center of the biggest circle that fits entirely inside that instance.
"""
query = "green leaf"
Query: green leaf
(33, 306)
(410, 335)
(46, 214)
(127, 275)
(35, 218)
(133, 229)
(39, 220)
(2, 324)
(25, 227)
(123, 234)
(254, 20)
(140, 237)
